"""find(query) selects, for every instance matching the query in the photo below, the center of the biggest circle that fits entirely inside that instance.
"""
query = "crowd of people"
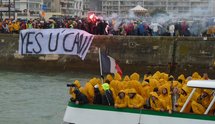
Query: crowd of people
(109, 27)
(158, 91)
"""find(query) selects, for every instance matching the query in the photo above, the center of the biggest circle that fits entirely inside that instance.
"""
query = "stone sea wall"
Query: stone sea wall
(174, 55)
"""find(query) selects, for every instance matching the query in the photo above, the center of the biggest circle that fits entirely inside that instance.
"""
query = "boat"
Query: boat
(99, 114)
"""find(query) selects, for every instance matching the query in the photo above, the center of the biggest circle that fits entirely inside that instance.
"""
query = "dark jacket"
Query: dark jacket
(100, 28)
(107, 98)
(80, 97)
(141, 29)
(97, 97)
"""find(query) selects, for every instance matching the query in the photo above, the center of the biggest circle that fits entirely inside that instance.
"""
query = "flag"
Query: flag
(109, 65)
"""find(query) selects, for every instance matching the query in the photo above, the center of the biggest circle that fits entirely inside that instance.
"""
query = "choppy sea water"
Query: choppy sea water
(33, 98)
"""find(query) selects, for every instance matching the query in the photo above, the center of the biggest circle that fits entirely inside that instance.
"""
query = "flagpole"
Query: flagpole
(100, 65)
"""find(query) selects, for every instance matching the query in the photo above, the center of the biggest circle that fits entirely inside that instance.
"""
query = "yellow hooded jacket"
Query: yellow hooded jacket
(137, 101)
(114, 86)
(89, 89)
(167, 85)
(182, 77)
(161, 82)
(200, 108)
(153, 83)
(177, 84)
(196, 76)
(146, 90)
(124, 83)
(197, 108)
(121, 103)
(164, 76)
(109, 77)
(117, 77)
(166, 98)
(135, 76)
(78, 85)
(126, 78)
(157, 104)
(206, 101)
(157, 75)
(115, 83)
(135, 82)
(182, 99)
(72, 94)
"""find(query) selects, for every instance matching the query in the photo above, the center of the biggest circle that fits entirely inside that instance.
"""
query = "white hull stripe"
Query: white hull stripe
(85, 114)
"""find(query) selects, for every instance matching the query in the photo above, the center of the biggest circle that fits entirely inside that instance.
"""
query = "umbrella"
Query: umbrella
(139, 8)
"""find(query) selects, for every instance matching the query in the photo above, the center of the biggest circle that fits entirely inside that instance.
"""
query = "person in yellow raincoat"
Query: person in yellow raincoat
(108, 78)
(126, 78)
(146, 90)
(166, 98)
(197, 108)
(155, 102)
(153, 83)
(196, 76)
(72, 88)
(135, 76)
(135, 100)
(121, 85)
(177, 84)
(202, 103)
(165, 84)
(78, 85)
(89, 89)
(185, 91)
(206, 97)
(134, 83)
(147, 76)
(124, 83)
(157, 75)
(72, 94)
(182, 79)
(121, 100)
(115, 83)
(162, 82)
(164, 76)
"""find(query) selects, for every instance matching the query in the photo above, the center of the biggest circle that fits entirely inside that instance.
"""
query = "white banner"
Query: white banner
(55, 41)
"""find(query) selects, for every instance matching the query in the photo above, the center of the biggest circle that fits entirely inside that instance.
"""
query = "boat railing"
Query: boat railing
(209, 84)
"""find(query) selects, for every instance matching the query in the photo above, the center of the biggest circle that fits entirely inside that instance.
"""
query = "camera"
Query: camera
(71, 85)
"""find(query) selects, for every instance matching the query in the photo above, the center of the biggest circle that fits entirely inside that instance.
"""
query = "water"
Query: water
(32, 98)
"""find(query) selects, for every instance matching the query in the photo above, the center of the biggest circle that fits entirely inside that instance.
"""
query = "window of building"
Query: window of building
(122, 3)
(17, 6)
